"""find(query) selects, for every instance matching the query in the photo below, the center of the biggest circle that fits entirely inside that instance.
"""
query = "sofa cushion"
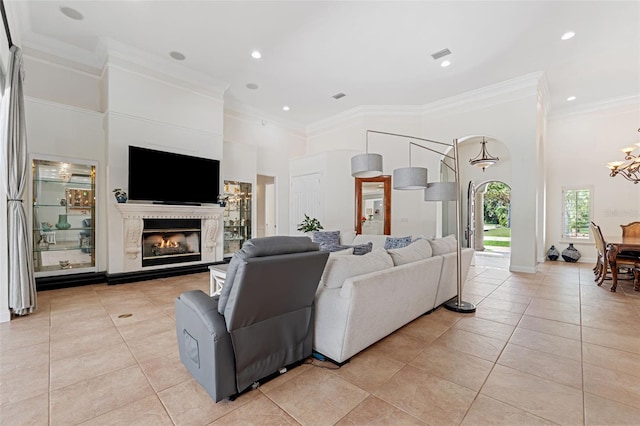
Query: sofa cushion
(417, 250)
(339, 268)
(326, 238)
(347, 236)
(445, 245)
(396, 242)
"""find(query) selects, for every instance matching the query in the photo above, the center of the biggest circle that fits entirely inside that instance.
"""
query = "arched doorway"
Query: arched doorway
(493, 218)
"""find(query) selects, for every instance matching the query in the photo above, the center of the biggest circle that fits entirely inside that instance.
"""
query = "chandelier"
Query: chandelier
(629, 168)
(483, 159)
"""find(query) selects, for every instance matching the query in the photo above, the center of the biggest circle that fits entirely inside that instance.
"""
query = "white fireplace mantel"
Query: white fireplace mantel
(133, 216)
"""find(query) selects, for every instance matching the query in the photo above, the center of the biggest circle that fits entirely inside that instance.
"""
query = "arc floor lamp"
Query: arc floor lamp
(416, 178)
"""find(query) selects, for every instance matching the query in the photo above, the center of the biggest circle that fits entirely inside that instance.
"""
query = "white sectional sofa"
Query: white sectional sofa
(362, 299)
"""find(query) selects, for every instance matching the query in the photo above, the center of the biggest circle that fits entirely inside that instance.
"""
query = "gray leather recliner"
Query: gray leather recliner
(262, 321)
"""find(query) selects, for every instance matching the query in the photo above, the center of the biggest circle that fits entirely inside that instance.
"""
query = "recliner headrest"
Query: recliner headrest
(272, 246)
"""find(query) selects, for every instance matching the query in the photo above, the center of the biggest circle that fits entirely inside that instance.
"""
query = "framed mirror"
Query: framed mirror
(373, 205)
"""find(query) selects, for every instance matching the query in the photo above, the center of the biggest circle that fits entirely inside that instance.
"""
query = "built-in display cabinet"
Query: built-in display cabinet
(63, 212)
(237, 215)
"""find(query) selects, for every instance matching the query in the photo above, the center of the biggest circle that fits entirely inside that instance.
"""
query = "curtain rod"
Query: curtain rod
(6, 24)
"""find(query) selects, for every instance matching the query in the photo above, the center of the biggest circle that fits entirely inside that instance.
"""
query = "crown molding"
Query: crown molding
(55, 61)
(162, 123)
(495, 94)
(116, 61)
(632, 101)
(64, 106)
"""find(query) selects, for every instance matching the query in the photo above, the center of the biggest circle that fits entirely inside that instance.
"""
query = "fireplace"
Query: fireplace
(190, 234)
(166, 241)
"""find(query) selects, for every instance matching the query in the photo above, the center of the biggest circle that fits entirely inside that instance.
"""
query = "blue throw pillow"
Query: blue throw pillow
(360, 249)
(329, 238)
(332, 247)
(395, 243)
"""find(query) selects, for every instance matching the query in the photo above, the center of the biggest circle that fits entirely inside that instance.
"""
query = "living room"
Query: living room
(93, 107)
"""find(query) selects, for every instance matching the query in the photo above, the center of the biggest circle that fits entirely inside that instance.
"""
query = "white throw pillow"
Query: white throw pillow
(417, 250)
(339, 268)
(444, 245)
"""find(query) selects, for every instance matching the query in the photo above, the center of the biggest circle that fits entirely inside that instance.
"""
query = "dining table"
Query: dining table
(615, 245)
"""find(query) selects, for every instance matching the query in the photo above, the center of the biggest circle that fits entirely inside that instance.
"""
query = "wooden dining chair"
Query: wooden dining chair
(600, 268)
(622, 260)
(631, 230)
(602, 262)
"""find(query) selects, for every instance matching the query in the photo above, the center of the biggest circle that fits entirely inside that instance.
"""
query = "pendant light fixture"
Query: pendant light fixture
(483, 159)
(410, 177)
(366, 165)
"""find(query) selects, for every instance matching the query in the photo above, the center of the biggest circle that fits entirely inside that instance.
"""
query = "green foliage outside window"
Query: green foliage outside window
(576, 213)
(497, 199)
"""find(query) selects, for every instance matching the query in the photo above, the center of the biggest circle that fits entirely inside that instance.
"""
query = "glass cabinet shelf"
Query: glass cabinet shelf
(237, 215)
(63, 216)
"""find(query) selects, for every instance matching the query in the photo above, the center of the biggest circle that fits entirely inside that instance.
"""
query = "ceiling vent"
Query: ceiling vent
(440, 54)
(339, 95)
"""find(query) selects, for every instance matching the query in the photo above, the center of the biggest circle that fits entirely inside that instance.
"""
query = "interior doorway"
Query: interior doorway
(266, 206)
(493, 218)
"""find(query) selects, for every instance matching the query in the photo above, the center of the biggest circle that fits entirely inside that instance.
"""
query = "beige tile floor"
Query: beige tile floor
(545, 348)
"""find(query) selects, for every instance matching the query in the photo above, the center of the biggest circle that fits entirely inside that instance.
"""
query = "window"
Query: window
(576, 212)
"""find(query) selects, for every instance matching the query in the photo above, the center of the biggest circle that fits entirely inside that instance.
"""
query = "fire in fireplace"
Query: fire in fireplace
(168, 247)
(167, 241)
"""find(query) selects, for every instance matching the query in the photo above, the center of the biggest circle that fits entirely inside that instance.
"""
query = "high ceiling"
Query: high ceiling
(375, 52)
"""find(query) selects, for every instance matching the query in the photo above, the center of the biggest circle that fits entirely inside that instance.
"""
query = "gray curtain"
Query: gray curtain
(22, 286)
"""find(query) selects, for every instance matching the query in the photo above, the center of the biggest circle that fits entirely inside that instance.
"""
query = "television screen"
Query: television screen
(171, 178)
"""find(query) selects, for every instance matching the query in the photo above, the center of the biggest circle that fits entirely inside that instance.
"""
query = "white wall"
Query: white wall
(579, 148)
(147, 112)
(336, 186)
(75, 134)
(266, 146)
(506, 112)
(63, 85)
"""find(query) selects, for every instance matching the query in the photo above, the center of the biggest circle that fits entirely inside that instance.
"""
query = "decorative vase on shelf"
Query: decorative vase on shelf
(553, 253)
(571, 254)
(121, 196)
(62, 222)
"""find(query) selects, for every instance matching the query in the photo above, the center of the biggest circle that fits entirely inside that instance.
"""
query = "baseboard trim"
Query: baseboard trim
(5, 316)
(525, 269)
(71, 280)
(75, 280)
(127, 277)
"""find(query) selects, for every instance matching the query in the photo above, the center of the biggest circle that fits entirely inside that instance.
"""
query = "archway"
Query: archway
(493, 218)
(471, 176)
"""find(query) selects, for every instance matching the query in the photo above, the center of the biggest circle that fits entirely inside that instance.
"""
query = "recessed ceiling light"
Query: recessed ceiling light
(252, 86)
(445, 64)
(285, 108)
(571, 98)
(339, 95)
(256, 55)
(177, 56)
(568, 35)
(71, 13)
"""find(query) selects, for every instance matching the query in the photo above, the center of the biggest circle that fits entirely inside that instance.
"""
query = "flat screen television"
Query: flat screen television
(169, 178)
